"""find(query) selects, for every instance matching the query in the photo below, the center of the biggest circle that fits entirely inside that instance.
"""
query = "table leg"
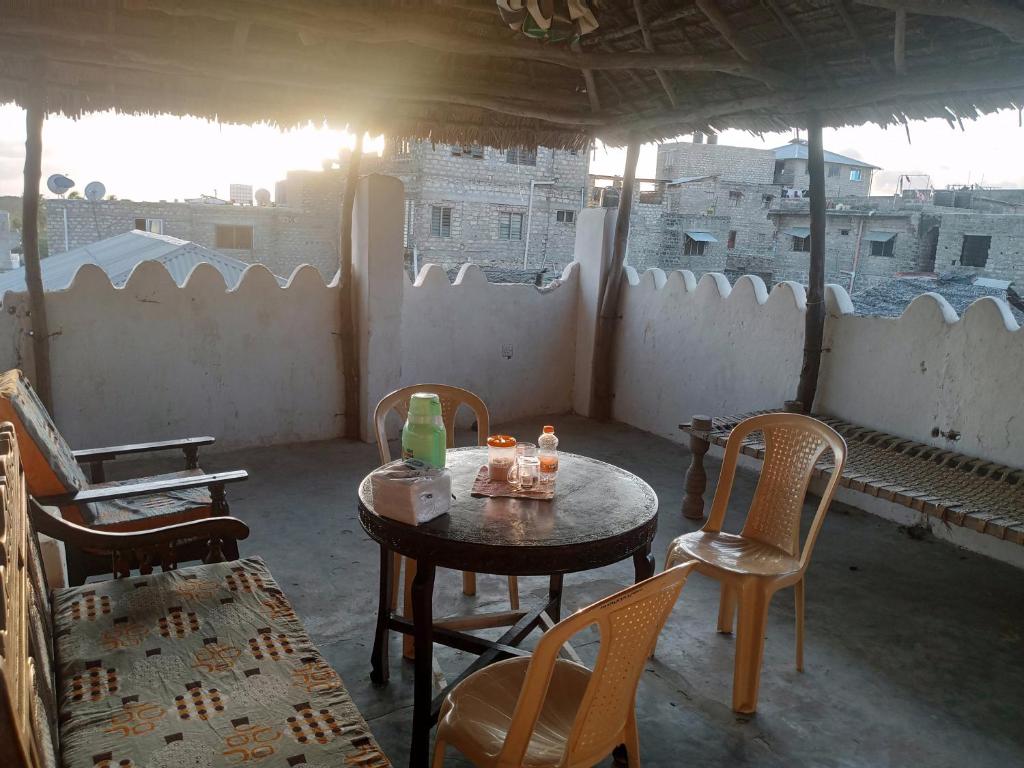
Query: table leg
(555, 598)
(379, 661)
(643, 564)
(423, 630)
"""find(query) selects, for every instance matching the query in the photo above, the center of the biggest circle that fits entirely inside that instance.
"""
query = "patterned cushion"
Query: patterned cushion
(50, 466)
(201, 667)
(141, 512)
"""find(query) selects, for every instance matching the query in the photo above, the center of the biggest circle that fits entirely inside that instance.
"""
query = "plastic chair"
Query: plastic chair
(451, 399)
(544, 711)
(766, 555)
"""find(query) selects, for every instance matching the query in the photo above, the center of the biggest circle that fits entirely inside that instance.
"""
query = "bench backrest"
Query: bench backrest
(28, 719)
(50, 466)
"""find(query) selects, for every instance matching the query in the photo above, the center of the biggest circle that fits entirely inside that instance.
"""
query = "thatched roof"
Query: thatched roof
(452, 71)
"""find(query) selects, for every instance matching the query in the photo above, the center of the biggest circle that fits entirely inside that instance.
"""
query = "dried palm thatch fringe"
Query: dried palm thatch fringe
(453, 72)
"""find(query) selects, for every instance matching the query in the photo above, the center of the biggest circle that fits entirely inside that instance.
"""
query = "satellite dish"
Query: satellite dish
(59, 184)
(95, 190)
(262, 197)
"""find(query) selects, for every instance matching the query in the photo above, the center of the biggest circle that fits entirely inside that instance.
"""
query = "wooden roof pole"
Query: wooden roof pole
(649, 45)
(347, 295)
(35, 114)
(814, 320)
(602, 380)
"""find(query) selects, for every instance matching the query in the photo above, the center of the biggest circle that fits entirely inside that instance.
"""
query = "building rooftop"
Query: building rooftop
(891, 297)
(119, 255)
(797, 150)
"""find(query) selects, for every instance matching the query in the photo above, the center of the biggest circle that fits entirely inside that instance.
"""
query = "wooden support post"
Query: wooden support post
(35, 113)
(899, 48)
(601, 388)
(347, 302)
(696, 478)
(814, 322)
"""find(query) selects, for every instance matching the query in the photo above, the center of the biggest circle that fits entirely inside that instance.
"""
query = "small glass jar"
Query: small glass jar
(501, 456)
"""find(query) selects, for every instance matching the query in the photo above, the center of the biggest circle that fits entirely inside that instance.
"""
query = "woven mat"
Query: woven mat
(961, 490)
(484, 486)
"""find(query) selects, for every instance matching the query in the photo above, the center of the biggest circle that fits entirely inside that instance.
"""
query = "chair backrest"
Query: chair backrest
(793, 445)
(629, 623)
(28, 705)
(50, 466)
(451, 398)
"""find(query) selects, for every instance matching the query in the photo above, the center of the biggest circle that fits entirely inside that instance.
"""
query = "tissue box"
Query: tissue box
(411, 492)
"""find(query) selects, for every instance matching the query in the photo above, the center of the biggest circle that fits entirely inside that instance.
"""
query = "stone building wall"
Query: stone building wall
(843, 233)
(1006, 250)
(283, 237)
(837, 178)
(684, 159)
(304, 224)
(479, 185)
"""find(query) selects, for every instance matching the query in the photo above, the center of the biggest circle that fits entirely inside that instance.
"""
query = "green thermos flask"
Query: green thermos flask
(424, 436)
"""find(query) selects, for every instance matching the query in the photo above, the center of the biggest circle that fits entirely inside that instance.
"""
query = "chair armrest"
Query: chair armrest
(112, 541)
(144, 488)
(87, 455)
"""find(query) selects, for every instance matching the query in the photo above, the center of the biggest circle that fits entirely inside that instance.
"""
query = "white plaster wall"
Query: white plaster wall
(688, 348)
(930, 369)
(150, 361)
(455, 334)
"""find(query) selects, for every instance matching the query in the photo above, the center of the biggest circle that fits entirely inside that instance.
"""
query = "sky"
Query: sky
(168, 158)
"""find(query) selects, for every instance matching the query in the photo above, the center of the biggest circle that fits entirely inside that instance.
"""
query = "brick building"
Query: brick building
(726, 209)
(473, 203)
(462, 204)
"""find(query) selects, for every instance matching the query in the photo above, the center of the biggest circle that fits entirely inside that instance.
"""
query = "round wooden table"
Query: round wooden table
(600, 514)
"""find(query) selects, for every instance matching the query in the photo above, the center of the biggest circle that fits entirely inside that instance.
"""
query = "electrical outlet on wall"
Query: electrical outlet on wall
(506, 351)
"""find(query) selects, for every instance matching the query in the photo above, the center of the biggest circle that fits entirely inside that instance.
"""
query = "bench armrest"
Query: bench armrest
(214, 528)
(145, 488)
(88, 455)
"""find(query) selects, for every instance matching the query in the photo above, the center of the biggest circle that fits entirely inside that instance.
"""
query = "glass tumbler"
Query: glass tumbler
(527, 471)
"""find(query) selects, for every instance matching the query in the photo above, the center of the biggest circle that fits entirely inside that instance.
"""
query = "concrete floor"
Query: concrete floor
(914, 647)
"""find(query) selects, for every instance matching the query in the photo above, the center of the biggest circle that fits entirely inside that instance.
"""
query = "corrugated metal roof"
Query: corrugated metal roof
(702, 237)
(119, 255)
(797, 231)
(875, 236)
(798, 151)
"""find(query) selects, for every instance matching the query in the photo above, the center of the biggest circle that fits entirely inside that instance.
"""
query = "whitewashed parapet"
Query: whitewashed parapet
(255, 365)
(687, 347)
(512, 344)
(931, 376)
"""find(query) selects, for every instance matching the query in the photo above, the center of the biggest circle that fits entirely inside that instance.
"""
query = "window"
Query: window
(856, 175)
(565, 217)
(766, 200)
(521, 156)
(844, 232)
(407, 224)
(156, 226)
(402, 149)
(833, 170)
(693, 247)
(510, 226)
(802, 244)
(735, 197)
(883, 248)
(574, 152)
(975, 250)
(440, 221)
(468, 150)
(235, 237)
(731, 242)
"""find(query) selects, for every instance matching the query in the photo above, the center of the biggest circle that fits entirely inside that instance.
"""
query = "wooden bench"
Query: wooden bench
(960, 490)
(205, 666)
